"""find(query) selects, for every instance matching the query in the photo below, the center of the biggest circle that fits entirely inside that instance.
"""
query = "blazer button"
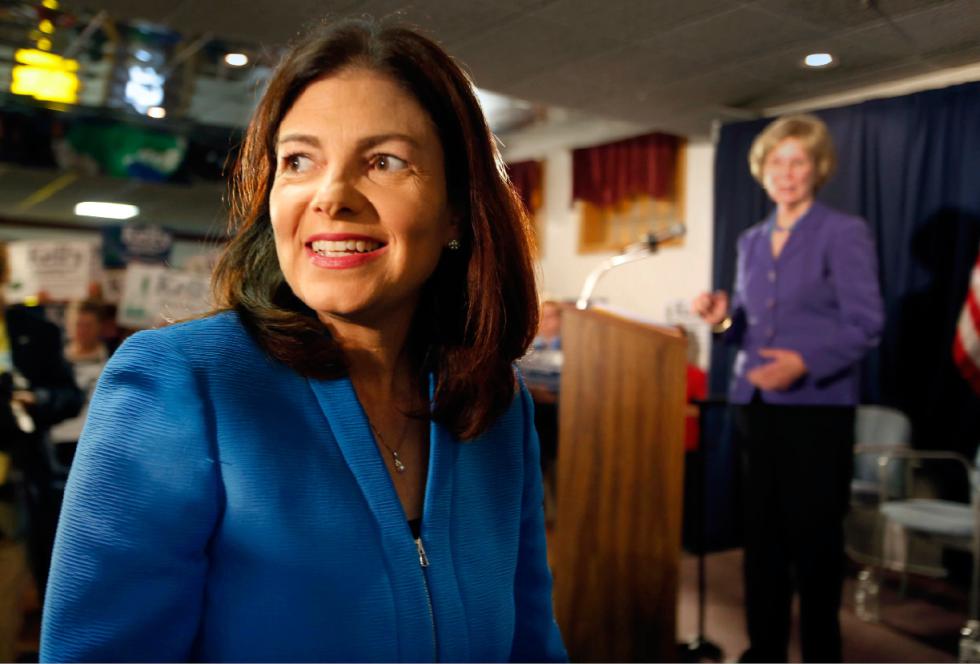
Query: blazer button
(772, 275)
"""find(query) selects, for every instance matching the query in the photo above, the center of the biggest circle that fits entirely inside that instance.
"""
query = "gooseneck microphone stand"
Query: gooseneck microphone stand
(645, 248)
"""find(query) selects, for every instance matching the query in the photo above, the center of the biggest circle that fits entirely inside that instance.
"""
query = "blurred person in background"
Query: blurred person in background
(542, 371)
(37, 391)
(112, 334)
(87, 354)
(805, 311)
(549, 329)
(542, 364)
(340, 464)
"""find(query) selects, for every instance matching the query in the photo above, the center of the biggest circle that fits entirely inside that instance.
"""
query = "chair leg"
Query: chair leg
(975, 572)
(970, 642)
(867, 595)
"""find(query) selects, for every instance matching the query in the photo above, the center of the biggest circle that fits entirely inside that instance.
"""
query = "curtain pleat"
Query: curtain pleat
(604, 175)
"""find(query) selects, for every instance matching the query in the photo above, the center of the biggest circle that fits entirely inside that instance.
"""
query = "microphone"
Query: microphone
(647, 246)
(652, 241)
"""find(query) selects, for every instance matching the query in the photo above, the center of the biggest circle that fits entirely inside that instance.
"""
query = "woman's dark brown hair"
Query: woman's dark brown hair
(478, 311)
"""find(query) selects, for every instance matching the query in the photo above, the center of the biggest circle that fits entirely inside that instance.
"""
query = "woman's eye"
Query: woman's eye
(296, 163)
(390, 163)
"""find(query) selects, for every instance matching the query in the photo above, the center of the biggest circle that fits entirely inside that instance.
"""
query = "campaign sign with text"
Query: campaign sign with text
(145, 243)
(154, 295)
(61, 269)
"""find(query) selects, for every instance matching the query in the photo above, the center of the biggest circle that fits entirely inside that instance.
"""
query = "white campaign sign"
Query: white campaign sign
(153, 295)
(61, 269)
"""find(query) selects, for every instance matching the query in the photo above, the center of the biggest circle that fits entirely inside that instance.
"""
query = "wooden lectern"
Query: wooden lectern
(620, 475)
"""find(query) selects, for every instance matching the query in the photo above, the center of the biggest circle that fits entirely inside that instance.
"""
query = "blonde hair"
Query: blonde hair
(808, 130)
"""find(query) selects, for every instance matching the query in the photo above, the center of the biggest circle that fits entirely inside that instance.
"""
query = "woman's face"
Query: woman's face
(788, 173)
(550, 324)
(87, 329)
(359, 206)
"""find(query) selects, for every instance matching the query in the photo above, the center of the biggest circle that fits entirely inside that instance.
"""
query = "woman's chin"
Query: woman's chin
(336, 311)
(791, 200)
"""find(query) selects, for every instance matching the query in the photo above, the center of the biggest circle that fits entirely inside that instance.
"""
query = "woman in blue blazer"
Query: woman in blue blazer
(340, 464)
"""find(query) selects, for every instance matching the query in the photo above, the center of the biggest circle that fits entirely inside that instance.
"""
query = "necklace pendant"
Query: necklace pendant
(399, 466)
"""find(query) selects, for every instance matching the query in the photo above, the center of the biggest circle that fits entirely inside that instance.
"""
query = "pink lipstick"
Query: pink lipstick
(338, 251)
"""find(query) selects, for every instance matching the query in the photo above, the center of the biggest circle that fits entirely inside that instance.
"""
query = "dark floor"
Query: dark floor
(920, 626)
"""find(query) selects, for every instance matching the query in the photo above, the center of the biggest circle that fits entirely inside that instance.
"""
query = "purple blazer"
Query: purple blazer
(820, 298)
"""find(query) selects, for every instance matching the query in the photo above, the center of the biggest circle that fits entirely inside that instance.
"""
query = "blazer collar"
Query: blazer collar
(801, 229)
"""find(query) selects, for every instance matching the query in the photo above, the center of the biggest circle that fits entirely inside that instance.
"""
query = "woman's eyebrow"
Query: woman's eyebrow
(363, 144)
(372, 141)
(309, 139)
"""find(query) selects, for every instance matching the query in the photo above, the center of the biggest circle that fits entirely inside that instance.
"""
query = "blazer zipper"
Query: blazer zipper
(424, 564)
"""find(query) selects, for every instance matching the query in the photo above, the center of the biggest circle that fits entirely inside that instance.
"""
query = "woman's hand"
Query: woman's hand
(784, 368)
(711, 307)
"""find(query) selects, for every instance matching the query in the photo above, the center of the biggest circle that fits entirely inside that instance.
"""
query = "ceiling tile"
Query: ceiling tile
(851, 55)
(630, 21)
(799, 90)
(631, 67)
(740, 33)
(728, 86)
(528, 47)
(951, 25)
(468, 20)
(844, 14)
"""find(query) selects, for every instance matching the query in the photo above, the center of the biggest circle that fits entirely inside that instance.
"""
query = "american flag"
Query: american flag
(966, 345)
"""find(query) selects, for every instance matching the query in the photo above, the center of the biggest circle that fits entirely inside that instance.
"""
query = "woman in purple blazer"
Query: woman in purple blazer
(805, 310)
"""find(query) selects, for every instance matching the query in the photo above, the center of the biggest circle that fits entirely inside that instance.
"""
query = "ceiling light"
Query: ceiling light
(157, 112)
(817, 60)
(106, 210)
(46, 26)
(236, 59)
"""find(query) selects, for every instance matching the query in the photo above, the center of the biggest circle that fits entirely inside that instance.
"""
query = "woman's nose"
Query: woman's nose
(336, 196)
(784, 171)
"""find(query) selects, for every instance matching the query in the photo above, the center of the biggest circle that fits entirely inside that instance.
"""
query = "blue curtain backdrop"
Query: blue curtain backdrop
(910, 166)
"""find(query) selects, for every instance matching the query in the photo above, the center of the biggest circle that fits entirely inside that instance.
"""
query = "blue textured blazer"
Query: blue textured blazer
(221, 507)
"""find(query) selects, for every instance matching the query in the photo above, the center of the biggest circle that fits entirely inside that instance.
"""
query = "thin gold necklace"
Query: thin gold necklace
(399, 465)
